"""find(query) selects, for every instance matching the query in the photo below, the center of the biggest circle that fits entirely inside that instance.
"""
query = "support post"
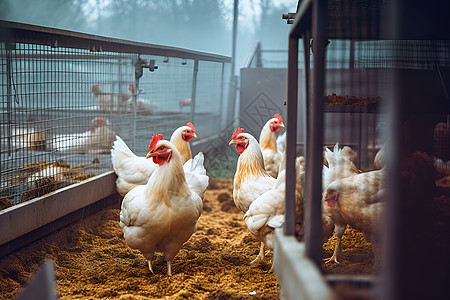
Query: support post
(291, 135)
(314, 138)
(194, 91)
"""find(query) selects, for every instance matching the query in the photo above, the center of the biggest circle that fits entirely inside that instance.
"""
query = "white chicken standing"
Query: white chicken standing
(267, 212)
(121, 102)
(251, 179)
(109, 101)
(162, 215)
(340, 165)
(133, 170)
(358, 200)
(268, 143)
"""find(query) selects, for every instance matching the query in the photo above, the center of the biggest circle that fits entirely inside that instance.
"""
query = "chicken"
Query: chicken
(281, 143)
(28, 139)
(109, 101)
(142, 106)
(133, 170)
(340, 165)
(121, 102)
(267, 212)
(162, 215)
(379, 161)
(268, 143)
(98, 140)
(251, 179)
(358, 199)
(181, 137)
(185, 102)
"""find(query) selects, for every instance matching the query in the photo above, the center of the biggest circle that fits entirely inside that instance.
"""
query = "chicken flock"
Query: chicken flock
(164, 191)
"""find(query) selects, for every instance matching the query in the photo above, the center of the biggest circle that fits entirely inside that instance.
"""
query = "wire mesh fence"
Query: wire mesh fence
(65, 96)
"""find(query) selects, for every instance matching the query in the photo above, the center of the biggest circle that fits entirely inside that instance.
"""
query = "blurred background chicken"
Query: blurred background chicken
(133, 170)
(268, 143)
(340, 165)
(379, 160)
(98, 140)
(251, 179)
(109, 101)
(358, 199)
(28, 139)
(162, 215)
(121, 102)
(143, 106)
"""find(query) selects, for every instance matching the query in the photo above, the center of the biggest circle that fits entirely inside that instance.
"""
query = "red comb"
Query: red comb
(278, 117)
(155, 139)
(191, 126)
(237, 132)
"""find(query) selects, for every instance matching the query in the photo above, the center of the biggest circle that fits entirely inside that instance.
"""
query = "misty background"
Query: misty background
(201, 25)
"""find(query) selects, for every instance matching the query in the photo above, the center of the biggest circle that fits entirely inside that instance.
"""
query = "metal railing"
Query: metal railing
(65, 95)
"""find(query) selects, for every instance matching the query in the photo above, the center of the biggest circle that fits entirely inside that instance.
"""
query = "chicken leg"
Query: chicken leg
(169, 268)
(261, 254)
(339, 231)
(150, 266)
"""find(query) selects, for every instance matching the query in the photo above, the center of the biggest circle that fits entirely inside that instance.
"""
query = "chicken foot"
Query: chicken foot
(261, 254)
(339, 231)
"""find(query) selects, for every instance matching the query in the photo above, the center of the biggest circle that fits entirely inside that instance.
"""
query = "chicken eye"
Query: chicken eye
(241, 138)
(161, 148)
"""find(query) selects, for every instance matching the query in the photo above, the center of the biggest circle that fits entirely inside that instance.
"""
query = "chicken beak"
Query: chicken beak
(150, 154)
(232, 142)
(194, 135)
(281, 125)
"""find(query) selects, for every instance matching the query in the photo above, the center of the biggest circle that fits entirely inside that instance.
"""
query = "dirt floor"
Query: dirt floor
(92, 260)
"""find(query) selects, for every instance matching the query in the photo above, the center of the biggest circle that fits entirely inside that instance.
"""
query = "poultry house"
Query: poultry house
(251, 179)
(268, 143)
(133, 170)
(340, 165)
(162, 215)
(98, 140)
(267, 212)
(358, 201)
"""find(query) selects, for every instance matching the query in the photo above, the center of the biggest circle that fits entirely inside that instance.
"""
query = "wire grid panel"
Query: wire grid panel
(61, 109)
(55, 130)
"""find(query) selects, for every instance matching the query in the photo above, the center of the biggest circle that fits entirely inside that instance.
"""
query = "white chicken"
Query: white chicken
(251, 179)
(142, 106)
(268, 143)
(121, 102)
(267, 212)
(340, 165)
(133, 170)
(379, 161)
(162, 215)
(98, 140)
(109, 101)
(28, 139)
(358, 201)
(281, 143)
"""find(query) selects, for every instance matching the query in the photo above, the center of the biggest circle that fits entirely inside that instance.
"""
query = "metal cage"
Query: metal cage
(66, 95)
(398, 53)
